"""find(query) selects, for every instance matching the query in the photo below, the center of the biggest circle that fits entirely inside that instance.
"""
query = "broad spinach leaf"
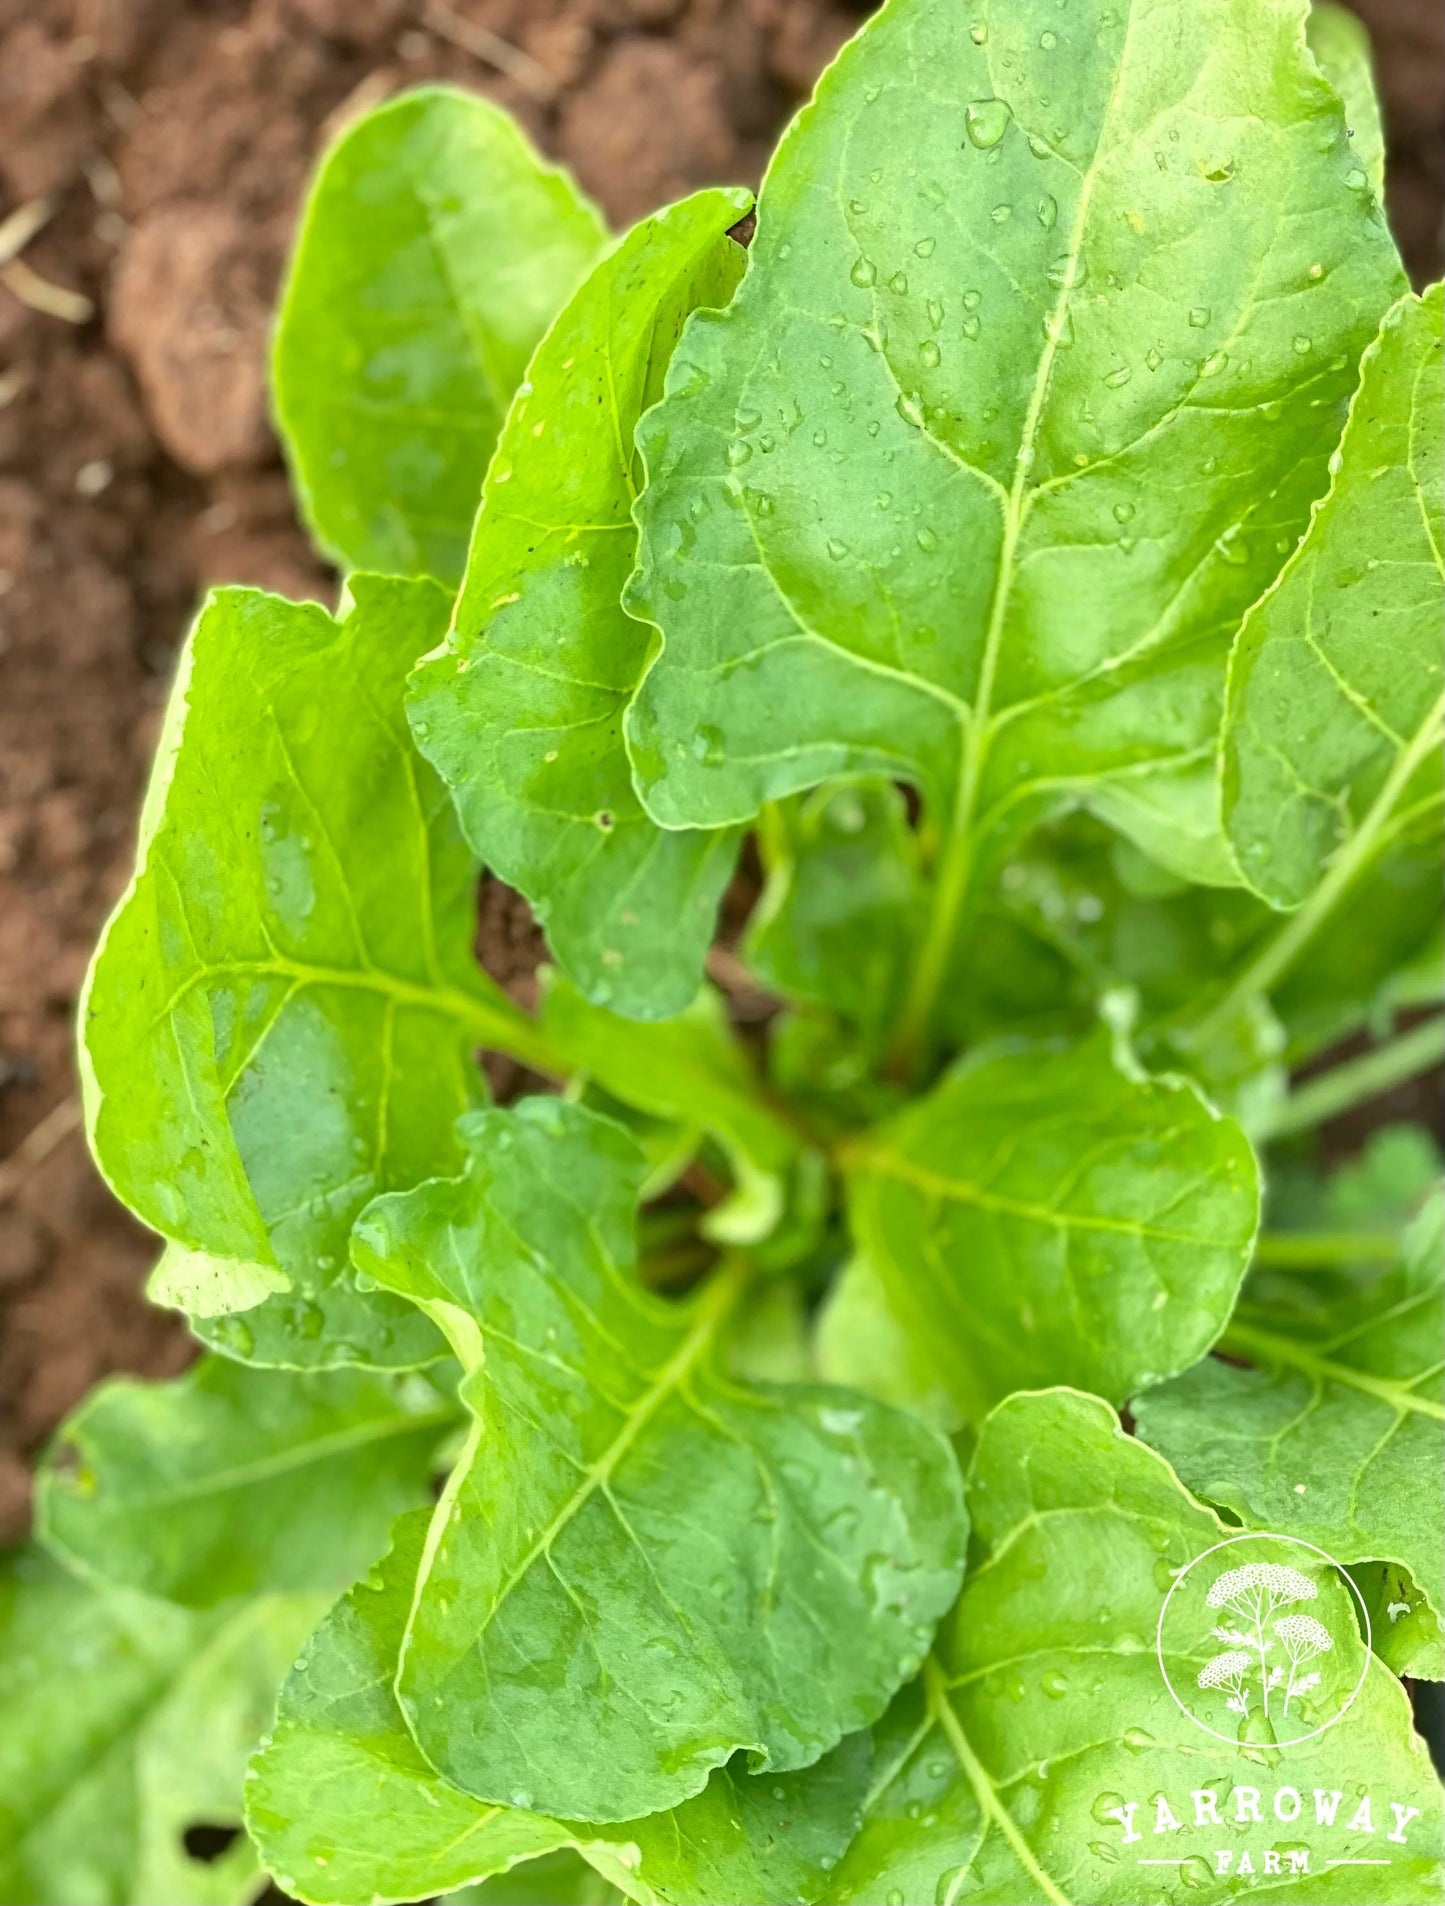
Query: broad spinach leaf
(282, 1015)
(232, 1481)
(521, 709)
(435, 249)
(1339, 41)
(1050, 1214)
(344, 1806)
(639, 1566)
(1006, 1772)
(1335, 1430)
(127, 1722)
(1042, 349)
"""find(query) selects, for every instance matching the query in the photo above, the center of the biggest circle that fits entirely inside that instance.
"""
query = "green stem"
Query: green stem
(1279, 953)
(1315, 1250)
(1266, 1349)
(1358, 1080)
(913, 1037)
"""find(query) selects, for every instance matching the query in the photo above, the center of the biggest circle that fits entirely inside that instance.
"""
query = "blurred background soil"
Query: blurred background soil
(157, 151)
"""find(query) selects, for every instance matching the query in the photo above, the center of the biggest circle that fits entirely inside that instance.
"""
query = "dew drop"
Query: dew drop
(1040, 148)
(1048, 211)
(1116, 380)
(1101, 1850)
(970, 327)
(1137, 1740)
(864, 273)
(1059, 328)
(885, 500)
(1199, 316)
(1106, 1807)
(1055, 1685)
(1153, 359)
(1303, 345)
(978, 34)
(1214, 364)
(1048, 41)
(1068, 272)
(987, 122)
(836, 549)
(1233, 548)
(926, 247)
(1357, 180)
(1194, 1872)
(1123, 512)
(927, 539)
(935, 313)
(820, 439)
(738, 454)
(858, 207)
(1000, 213)
(1316, 272)
(898, 285)
(929, 354)
(910, 407)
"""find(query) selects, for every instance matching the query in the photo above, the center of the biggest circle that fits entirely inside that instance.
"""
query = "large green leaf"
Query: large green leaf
(344, 1806)
(1340, 42)
(231, 1480)
(435, 250)
(521, 710)
(1042, 1717)
(1336, 1430)
(1332, 736)
(126, 1722)
(639, 1566)
(1043, 345)
(1049, 1214)
(282, 1015)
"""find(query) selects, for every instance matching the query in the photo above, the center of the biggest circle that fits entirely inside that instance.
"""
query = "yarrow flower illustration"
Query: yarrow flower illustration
(1252, 1593)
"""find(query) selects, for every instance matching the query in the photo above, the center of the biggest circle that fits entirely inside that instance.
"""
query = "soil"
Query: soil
(168, 144)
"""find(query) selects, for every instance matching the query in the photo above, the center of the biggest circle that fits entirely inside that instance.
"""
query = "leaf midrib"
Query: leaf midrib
(1257, 1343)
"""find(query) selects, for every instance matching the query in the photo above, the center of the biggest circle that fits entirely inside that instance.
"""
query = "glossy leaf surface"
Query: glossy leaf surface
(344, 1806)
(521, 710)
(1049, 1214)
(640, 1566)
(436, 248)
(282, 1015)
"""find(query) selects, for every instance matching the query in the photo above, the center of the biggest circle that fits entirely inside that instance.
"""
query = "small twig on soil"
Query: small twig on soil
(17, 228)
(37, 1145)
(72, 307)
(11, 384)
(750, 1000)
(483, 44)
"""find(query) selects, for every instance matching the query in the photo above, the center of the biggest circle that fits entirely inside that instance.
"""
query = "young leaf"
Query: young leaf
(1037, 363)
(435, 250)
(1340, 42)
(639, 1566)
(344, 1807)
(1336, 1431)
(1335, 701)
(1003, 1774)
(128, 1722)
(282, 1014)
(231, 1480)
(521, 709)
(1051, 1215)
(691, 1069)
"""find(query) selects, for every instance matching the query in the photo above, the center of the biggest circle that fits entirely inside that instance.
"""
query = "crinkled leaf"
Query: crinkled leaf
(1039, 357)
(232, 1480)
(1336, 1431)
(436, 248)
(1331, 742)
(345, 1807)
(1340, 42)
(1043, 1711)
(691, 1070)
(126, 1722)
(521, 709)
(1405, 1631)
(281, 1018)
(1050, 1214)
(639, 1566)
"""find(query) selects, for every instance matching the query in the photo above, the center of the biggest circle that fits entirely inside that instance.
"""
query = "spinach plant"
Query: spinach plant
(1002, 579)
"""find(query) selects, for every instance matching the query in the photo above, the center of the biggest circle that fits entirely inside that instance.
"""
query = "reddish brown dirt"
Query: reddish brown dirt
(137, 466)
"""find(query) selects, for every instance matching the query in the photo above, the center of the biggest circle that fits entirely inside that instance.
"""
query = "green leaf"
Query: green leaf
(1040, 355)
(231, 1480)
(435, 249)
(344, 1806)
(1336, 1432)
(693, 1070)
(860, 1342)
(1405, 1631)
(282, 1014)
(521, 709)
(127, 1722)
(1043, 1714)
(1340, 42)
(556, 1879)
(1335, 698)
(1051, 1215)
(639, 1566)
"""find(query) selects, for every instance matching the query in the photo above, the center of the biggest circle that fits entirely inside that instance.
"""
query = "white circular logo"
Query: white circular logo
(1259, 1641)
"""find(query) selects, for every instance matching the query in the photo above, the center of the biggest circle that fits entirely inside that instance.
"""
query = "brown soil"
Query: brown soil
(170, 141)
